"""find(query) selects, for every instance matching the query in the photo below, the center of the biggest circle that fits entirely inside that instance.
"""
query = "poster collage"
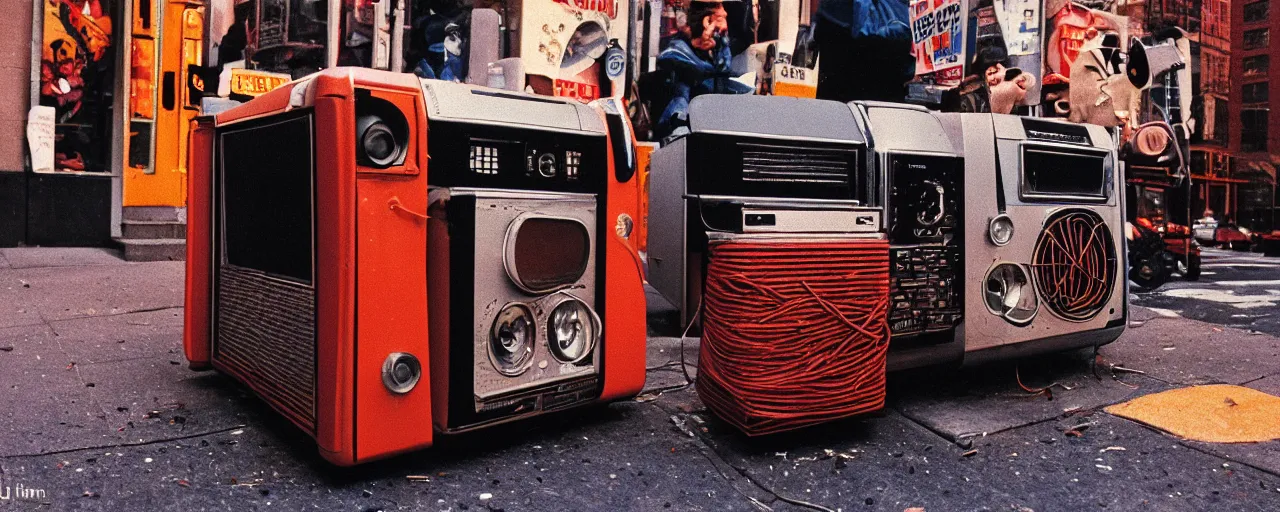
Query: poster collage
(1063, 58)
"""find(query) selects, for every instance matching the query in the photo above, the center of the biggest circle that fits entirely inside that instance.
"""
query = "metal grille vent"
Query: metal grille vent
(266, 336)
(1075, 264)
(789, 164)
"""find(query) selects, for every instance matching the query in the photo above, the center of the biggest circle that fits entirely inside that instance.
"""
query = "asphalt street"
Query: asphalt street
(99, 412)
(1237, 289)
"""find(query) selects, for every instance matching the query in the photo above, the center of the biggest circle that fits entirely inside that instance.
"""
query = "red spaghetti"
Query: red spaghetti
(794, 333)
(1075, 264)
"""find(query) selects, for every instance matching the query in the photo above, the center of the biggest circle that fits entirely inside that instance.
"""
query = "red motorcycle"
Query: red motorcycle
(1159, 203)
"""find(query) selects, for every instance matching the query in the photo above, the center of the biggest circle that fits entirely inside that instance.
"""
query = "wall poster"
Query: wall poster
(937, 32)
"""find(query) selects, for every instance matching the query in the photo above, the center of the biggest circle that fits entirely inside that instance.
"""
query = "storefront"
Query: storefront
(106, 127)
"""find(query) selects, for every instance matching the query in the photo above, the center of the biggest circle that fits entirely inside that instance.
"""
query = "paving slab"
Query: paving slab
(1269, 385)
(664, 362)
(972, 401)
(1115, 464)
(31, 295)
(46, 405)
(624, 457)
(98, 339)
(151, 399)
(1263, 456)
(1186, 352)
(888, 462)
(37, 257)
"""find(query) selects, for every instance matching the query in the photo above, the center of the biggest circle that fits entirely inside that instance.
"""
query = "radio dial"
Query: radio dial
(547, 165)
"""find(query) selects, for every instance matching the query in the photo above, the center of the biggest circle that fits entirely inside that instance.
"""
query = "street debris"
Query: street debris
(1112, 449)
(1102, 467)
(184, 483)
(486, 496)
(1078, 430)
(1047, 391)
(418, 478)
(970, 453)
(6, 349)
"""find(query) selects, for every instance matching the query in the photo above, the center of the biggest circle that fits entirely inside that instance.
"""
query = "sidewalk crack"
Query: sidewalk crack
(717, 461)
(122, 445)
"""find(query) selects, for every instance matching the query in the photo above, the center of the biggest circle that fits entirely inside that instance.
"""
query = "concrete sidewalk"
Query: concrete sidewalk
(100, 412)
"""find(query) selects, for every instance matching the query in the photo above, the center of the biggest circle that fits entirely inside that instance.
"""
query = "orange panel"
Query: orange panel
(391, 314)
(624, 309)
(391, 303)
(335, 265)
(196, 312)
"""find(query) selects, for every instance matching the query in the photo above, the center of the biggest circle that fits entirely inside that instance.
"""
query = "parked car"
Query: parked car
(1203, 230)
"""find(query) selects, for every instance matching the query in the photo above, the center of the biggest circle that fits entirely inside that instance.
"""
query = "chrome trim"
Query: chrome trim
(388, 370)
(991, 225)
(596, 324)
(1030, 284)
(533, 343)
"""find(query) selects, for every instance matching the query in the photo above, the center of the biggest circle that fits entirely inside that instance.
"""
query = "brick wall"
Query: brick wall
(15, 80)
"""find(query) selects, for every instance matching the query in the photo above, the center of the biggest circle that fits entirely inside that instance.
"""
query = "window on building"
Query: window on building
(1221, 121)
(1256, 92)
(1256, 11)
(1256, 65)
(1253, 130)
(1257, 38)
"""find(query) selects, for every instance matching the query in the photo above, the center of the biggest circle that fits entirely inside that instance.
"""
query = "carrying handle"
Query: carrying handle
(395, 204)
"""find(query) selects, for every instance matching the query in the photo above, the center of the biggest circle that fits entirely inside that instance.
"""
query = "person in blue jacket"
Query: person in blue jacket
(697, 62)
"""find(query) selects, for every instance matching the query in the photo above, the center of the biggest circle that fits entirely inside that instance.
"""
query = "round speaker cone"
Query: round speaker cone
(380, 145)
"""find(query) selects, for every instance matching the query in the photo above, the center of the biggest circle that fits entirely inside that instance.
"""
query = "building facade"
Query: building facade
(92, 148)
(1254, 135)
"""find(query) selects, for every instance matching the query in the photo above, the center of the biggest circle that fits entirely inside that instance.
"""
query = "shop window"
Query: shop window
(1256, 65)
(1256, 11)
(1253, 129)
(1257, 38)
(77, 79)
(1256, 92)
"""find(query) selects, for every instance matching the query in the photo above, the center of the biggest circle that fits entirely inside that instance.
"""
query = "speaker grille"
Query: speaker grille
(790, 164)
(1075, 264)
(266, 336)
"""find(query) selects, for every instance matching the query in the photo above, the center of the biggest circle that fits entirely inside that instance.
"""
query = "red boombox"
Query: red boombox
(342, 282)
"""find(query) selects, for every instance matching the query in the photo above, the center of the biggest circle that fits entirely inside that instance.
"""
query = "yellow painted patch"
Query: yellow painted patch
(1218, 413)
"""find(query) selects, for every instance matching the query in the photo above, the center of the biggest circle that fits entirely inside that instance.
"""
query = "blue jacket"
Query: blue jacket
(690, 75)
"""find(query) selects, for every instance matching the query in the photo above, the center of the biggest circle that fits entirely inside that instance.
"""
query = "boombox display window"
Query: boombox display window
(1053, 173)
(505, 157)
(762, 167)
